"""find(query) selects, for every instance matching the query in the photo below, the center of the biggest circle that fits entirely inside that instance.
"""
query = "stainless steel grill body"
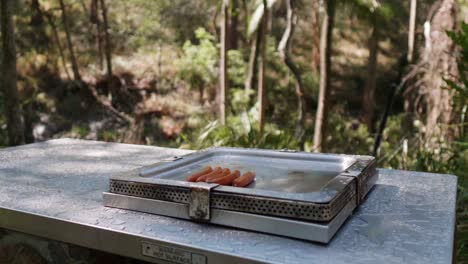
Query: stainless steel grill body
(307, 188)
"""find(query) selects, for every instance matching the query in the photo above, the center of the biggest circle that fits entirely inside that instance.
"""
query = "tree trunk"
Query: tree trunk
(407, 104)
(51, 22)
(42, 45)
(215, 23)
(36, 16)
(94, 18)
(394, 88)
(75, 69)
(99, 44)
(283, 48)
(159, 60)
(201, 91)
(108, 46)
(245, 18)
(369, 89)
(28, 117)
(12, 108)
(39, 36)
(254, 50)
(439, 63)
(315, 36)
(233, 25)
(321, 117)
(223, 82)
(411, 30)
(261, 68)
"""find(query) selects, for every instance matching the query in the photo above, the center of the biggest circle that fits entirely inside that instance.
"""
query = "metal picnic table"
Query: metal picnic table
(52, 191)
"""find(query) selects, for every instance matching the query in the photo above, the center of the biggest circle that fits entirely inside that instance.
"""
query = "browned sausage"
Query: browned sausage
(195, 176)
(216, 171)
(225, 172)
(244, 180)
(226, 180)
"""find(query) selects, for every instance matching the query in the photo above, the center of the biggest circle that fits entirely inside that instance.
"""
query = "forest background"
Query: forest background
(378, 77)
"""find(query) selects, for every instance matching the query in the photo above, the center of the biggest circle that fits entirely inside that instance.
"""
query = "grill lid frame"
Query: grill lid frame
(353, 182)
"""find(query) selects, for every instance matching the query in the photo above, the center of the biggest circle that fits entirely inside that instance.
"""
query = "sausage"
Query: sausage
(244, 180)
(195, 176)
(226, 180)
(225, 172)
(216, 171)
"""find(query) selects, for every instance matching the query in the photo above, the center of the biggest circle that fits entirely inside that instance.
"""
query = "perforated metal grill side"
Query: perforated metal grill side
(283, 208)
(242, 203)
(152, 191)
(349, 193)
(267, 206)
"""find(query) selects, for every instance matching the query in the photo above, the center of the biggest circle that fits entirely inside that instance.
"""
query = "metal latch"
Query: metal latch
(357, 171)
(199, 201)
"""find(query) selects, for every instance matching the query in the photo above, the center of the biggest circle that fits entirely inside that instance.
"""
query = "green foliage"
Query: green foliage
(310, 81)
(239, 100)
(79, 131)
(241, 132)
(137, 31)
(348, 136)
(198, 64)
(109, 135)
(383, 13)
(236, 68)
(458, 151)
(183, 17)
(460, 38)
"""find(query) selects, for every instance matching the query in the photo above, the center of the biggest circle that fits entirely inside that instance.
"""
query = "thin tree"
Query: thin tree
(283, 47)
(233, 25)
(56, 38)
(223, 82)
(367, 111)
(411, 31)
(254, 50)
(408, 121)
(321, 117)
(315, 36)
(12, 108)
(37, 23)
(261, 68)
(254, 31)
(75, 69)
(42, 45)
(94, 18)
(108, 45)
(37, 20)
